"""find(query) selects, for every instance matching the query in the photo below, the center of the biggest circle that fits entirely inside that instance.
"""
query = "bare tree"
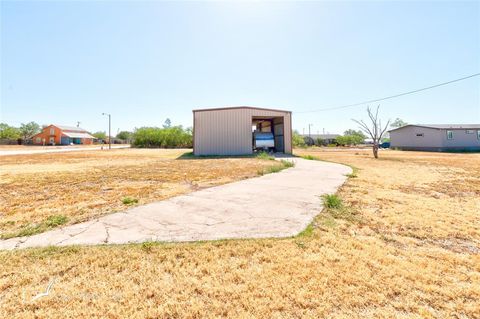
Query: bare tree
(375, 131)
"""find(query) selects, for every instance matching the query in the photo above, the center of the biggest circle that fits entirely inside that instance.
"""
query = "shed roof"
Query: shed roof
(444, 126)
(240, 107)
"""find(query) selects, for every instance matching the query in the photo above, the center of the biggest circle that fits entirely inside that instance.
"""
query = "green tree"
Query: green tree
(171, 137)
(297, 139)
(167, 123)
(10, 132)
(353, 132)
(100, 135)
(29, 129)
(320, 141)
(398, 122)
(124, 135)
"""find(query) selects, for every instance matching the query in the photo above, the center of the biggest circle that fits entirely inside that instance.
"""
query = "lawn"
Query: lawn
(41, 191)
(403, 242)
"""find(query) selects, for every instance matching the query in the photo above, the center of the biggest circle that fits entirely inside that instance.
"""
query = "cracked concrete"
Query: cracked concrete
(274, 205)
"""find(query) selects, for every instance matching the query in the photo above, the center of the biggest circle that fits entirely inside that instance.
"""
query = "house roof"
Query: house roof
(77, 135)
(444, 126)
(70, 128)
(240, 107)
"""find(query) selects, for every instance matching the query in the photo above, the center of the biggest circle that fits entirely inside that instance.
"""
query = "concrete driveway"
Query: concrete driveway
(275, 205)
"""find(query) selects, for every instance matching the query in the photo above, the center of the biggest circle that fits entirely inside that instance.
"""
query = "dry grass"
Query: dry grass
(406, 244)
(84, 185)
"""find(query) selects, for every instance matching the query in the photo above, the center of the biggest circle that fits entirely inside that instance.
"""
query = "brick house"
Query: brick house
(62, 135)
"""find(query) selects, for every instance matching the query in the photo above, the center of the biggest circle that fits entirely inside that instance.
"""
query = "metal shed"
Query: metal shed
(229, 130)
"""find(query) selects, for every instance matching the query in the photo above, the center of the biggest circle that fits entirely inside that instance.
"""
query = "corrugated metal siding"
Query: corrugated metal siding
(229, 131)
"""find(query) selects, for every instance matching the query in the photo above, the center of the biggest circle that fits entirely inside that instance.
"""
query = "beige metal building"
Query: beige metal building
(229, 130)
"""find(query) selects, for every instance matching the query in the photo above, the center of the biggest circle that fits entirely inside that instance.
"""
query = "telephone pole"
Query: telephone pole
(309, 125)
(109, 130)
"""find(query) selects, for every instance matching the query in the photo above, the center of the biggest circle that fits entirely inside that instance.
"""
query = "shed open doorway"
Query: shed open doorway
(274, 125)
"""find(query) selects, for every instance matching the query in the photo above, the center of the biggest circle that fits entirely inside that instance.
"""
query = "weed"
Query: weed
(332, 201)
(56, 220)
(352, 175)
(265, 156)
(301, 244)
(287, 164)
(277, 168)
(129, 200)
(147, 246)
(26, 231)
(308, 231)
(33, 229)
(310, 157)
(328, 221)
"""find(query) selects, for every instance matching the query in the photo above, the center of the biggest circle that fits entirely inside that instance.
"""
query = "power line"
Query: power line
(389, 97)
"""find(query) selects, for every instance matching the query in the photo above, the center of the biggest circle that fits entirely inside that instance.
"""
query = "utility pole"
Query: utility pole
(309, 125)
(109, 130)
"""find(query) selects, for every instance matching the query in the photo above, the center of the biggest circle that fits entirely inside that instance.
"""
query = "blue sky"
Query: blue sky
(63, 62)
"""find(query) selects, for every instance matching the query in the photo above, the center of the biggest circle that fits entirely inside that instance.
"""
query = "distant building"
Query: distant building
(62, 135)
(326, 138)
(436, 137)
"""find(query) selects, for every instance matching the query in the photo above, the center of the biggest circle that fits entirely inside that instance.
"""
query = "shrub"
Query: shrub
(332, 201)
(129, 200)
(168, 137)
(298, 140)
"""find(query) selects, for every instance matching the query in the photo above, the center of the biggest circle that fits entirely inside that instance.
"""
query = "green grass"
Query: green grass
(334, 208)
(332, 201)
(287, 164)
(265, 156)
(310, 157)
(129, 200)
(277, 168)
(308, 231)
(33, 229)
(57, 220)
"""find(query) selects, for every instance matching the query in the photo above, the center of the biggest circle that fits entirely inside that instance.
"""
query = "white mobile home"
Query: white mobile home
(436, 137)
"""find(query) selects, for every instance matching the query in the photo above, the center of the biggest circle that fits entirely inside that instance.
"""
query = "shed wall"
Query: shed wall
(229, 131)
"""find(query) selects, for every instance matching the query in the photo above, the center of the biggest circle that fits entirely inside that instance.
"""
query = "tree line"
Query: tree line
(24, 131)
(167, 136)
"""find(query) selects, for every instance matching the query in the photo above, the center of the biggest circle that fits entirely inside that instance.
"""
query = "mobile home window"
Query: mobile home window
(469, 131)
(449, 135)
(478, 134)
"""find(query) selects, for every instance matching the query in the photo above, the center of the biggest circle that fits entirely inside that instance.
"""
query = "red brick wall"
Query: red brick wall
(45, 134)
